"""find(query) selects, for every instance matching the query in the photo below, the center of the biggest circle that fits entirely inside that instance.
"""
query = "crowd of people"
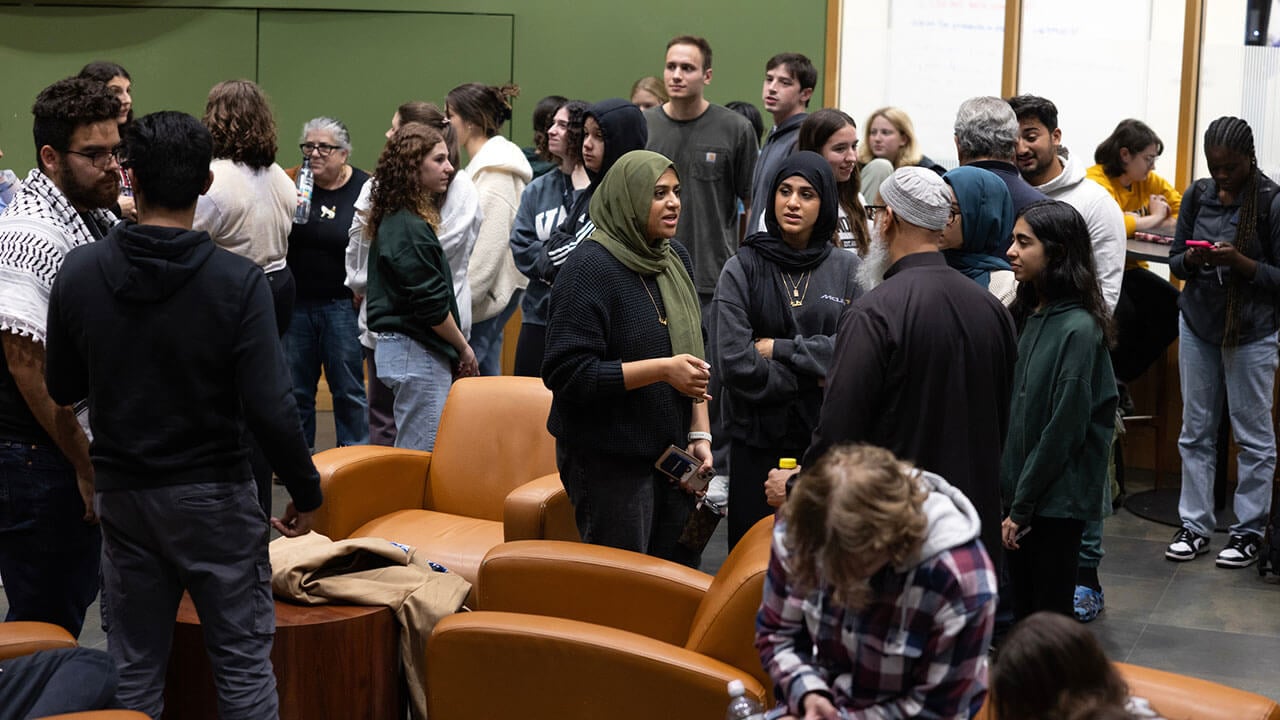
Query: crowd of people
(943, 351)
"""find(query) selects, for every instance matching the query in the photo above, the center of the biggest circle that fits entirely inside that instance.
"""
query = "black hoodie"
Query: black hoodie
(624, 129)
(174, 343)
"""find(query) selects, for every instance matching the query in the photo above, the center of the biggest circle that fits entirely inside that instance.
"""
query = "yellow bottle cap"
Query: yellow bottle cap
(787, 463)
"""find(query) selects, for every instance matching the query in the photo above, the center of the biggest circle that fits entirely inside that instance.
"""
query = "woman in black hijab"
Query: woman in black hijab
(773, 327)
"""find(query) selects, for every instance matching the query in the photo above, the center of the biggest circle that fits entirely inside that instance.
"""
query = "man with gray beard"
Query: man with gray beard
(924, 361)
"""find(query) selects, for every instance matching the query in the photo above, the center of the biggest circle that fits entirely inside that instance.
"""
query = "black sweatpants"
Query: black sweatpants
(1043, 568)
(751, 466)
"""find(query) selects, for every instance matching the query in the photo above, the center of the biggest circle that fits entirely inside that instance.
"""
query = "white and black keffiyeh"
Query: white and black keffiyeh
(37, 230)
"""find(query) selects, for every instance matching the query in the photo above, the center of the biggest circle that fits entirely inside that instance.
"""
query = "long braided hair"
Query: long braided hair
(1234, 134)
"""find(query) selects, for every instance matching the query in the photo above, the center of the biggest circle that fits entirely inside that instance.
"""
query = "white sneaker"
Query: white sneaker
(718, 491)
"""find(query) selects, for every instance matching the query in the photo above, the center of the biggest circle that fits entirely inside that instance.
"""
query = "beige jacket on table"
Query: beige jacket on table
(315, 570)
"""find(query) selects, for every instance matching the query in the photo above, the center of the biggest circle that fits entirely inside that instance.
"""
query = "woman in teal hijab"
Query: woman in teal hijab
(625, 365)
(974, 240)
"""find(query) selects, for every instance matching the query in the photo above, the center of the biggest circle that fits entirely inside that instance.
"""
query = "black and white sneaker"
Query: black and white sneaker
(1186, 545)
(1241, 551)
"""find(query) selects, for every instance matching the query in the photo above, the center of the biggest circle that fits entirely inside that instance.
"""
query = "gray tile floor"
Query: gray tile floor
(1191, 618)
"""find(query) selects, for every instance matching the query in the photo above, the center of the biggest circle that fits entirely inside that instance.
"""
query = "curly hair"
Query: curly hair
(816, 130)
(544, 113)
(104, 71)
(66, 105)
(239, 118)
(398, 184)
(577, 110)
(856, 503)
(486, 106)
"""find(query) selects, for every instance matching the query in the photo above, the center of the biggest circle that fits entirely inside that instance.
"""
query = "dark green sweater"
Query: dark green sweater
(1062, 418)
(410, 284)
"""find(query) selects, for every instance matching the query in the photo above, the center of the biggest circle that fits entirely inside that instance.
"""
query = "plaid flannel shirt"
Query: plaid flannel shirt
(918, 650)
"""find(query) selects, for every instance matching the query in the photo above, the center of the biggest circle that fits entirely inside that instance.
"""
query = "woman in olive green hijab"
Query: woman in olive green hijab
(624, 362)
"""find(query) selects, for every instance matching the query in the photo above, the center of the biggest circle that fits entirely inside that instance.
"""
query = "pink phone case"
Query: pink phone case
(1200, 244)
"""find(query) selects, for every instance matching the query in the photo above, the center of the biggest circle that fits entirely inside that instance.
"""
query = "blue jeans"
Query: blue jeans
(1246, 373)
(48, 554)
(486, 337)
(324, 333)
(420, 380)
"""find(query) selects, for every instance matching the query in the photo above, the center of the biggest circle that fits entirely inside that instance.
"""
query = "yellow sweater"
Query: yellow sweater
(1134, 199)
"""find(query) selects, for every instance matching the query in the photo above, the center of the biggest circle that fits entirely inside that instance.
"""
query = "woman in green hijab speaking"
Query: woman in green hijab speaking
(625, 365)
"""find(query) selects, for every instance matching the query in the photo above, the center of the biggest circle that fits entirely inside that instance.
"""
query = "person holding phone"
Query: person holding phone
(624, 362)
(772, 329)
(1227, 340)
(1063, 410)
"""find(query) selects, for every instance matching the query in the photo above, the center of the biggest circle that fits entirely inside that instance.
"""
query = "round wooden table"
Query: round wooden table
(330, 661)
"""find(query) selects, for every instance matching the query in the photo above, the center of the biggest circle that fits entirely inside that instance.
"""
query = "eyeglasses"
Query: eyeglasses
(321, 148)
(873, 210)
(101, 159)
(952, 213)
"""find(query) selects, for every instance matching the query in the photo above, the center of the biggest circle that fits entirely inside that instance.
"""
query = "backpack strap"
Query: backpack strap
(1191, 200)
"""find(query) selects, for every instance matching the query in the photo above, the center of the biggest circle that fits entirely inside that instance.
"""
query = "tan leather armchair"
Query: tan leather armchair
(1180, 697)
(569, 630)
(492, 477)
(24, 638)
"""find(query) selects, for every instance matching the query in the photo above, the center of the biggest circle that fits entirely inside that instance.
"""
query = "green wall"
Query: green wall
(357, 61)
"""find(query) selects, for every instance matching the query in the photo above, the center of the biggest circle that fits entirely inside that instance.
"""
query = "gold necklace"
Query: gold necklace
(797, 297)
(661, 318)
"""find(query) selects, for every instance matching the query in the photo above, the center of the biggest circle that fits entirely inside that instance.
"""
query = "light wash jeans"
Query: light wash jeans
(486, 337)
(420, 380)
(1247, 374)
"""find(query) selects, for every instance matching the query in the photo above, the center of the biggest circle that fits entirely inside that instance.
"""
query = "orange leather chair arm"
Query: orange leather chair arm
(1178, 696)
(490, 664)
(24, 638)
(539, 510)
(1182, 697)
(595, 584)
(364, 482)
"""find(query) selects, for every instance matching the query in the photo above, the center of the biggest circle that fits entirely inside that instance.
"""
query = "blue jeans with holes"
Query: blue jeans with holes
(1246, 373)
(325, 333)
(420, 380)
(48, 554)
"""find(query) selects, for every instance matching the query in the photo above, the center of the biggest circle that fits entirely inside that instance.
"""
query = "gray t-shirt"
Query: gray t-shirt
(715, 156)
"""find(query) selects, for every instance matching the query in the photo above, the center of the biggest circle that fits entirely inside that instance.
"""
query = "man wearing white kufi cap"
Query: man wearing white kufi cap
(924, 361)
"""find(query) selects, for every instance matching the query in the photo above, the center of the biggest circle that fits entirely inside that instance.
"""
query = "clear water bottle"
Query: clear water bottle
(8, 185)
(742, 707)
(306, 183)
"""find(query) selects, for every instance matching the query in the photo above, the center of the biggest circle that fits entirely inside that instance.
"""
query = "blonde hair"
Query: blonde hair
(909, 154)
(651, 85)
(858, 503)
